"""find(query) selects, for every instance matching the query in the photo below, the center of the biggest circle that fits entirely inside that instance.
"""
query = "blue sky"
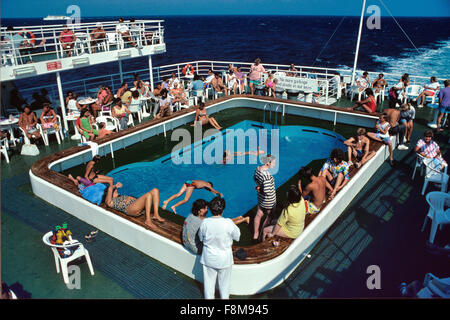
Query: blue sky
(89, 8)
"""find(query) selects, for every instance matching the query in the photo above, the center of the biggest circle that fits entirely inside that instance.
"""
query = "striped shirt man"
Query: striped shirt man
(267, 198)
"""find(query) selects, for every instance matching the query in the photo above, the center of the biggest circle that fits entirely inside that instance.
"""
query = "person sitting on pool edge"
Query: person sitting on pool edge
(358, 147)
(189, 187)
(132, 206)
(291, 222)
(315, 190)
(201, 117)
(92, 174)
(193, 221)
(335, 170)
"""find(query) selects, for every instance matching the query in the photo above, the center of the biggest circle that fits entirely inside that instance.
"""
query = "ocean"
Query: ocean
(303, 40)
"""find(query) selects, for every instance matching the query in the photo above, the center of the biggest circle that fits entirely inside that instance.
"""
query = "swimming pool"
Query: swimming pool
(293, 146)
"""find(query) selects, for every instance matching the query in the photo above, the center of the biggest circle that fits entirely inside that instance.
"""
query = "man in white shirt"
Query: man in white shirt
(217, 234)
(123, 30)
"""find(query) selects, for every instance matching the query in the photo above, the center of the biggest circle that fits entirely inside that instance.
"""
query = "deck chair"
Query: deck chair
(434, 174)
(136, 107)
(436, 201)
(4, 146)
(112, 123)
(418, 164)
(435, 287)
(57, 133)
(77, 251)
(411, 92)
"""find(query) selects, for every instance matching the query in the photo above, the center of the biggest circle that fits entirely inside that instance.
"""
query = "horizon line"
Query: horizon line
(232, 15)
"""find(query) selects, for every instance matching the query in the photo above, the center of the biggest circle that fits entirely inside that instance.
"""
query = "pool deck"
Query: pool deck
(380, 227)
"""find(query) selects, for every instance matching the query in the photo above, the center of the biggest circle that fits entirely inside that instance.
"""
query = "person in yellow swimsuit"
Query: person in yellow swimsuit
(291, 222)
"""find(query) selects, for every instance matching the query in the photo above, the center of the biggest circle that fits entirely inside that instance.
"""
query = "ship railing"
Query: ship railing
(328, 76)
(42, 43)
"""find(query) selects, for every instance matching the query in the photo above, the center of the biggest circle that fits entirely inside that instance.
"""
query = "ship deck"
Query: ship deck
(380, 227)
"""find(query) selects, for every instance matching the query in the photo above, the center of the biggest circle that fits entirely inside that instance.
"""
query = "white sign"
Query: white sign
(297, 83)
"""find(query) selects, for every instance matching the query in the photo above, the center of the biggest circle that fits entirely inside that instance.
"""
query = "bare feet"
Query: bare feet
(150, 223)
(246, 219)
(165, 204)
(173, 209)
(158, 218)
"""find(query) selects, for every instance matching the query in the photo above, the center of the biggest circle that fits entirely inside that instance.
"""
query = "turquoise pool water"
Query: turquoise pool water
(293, 146)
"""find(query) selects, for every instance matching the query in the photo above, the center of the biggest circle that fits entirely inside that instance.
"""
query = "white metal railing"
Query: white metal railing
(87, 86)
(42, 43)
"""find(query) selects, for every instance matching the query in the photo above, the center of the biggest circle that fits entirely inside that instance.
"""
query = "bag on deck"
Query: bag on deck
(29, 150)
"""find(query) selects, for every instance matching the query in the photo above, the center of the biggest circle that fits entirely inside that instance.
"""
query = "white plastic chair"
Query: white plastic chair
(130, 120)
(135, 107)
(411, 92)
(4, 146)
(435, 175)
(379, 95)
(25, 138)
(57, 133)
(432, 98)
(437, 287)
(354, 90)
(60, 262)
(436, 213)
(112, 124)
(106, 110)
(418, 164)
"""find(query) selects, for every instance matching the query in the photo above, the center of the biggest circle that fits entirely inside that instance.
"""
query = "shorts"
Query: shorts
(311, 207)
(47, 125)
(384, 139)
(444, 109)
(32, 130)
(359, 153)
(430, 92)
(255, 82)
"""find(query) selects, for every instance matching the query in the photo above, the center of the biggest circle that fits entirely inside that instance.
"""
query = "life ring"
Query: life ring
(188, 69)
(28, 35)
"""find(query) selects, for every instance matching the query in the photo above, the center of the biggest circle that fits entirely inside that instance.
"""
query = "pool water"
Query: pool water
(293, 147)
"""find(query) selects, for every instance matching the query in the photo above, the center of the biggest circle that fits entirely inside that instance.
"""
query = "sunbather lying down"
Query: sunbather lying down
(129, 205)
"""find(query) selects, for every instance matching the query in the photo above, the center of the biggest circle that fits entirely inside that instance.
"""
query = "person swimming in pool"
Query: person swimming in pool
(189, 187)
(228, 156)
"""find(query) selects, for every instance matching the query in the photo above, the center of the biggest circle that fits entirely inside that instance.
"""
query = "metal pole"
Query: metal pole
(120, 71)
(150, 70)
(357, 43)
(61, 101)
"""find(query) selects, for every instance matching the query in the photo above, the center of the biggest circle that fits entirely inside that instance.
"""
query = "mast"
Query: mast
(357, 43)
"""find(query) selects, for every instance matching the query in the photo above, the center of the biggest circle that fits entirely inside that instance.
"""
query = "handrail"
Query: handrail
(202, 66)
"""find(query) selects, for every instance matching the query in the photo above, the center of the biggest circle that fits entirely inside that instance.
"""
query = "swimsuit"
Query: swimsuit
(311, 207)
(119, 203)
(189, 184)
(372, 104)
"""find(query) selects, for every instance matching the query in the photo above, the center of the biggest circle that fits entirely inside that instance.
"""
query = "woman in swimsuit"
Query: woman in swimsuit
(202, 117)
(189, 187)
(369, 104)
(92, 174)
(132, 206)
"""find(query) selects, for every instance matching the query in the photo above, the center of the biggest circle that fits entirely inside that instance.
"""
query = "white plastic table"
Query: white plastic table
(9, 125)
(73, 117)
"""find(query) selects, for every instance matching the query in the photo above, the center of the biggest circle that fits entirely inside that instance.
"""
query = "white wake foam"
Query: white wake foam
(427, 62)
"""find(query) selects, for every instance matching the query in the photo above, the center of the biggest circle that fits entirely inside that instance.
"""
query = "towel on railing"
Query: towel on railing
(94, 148)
